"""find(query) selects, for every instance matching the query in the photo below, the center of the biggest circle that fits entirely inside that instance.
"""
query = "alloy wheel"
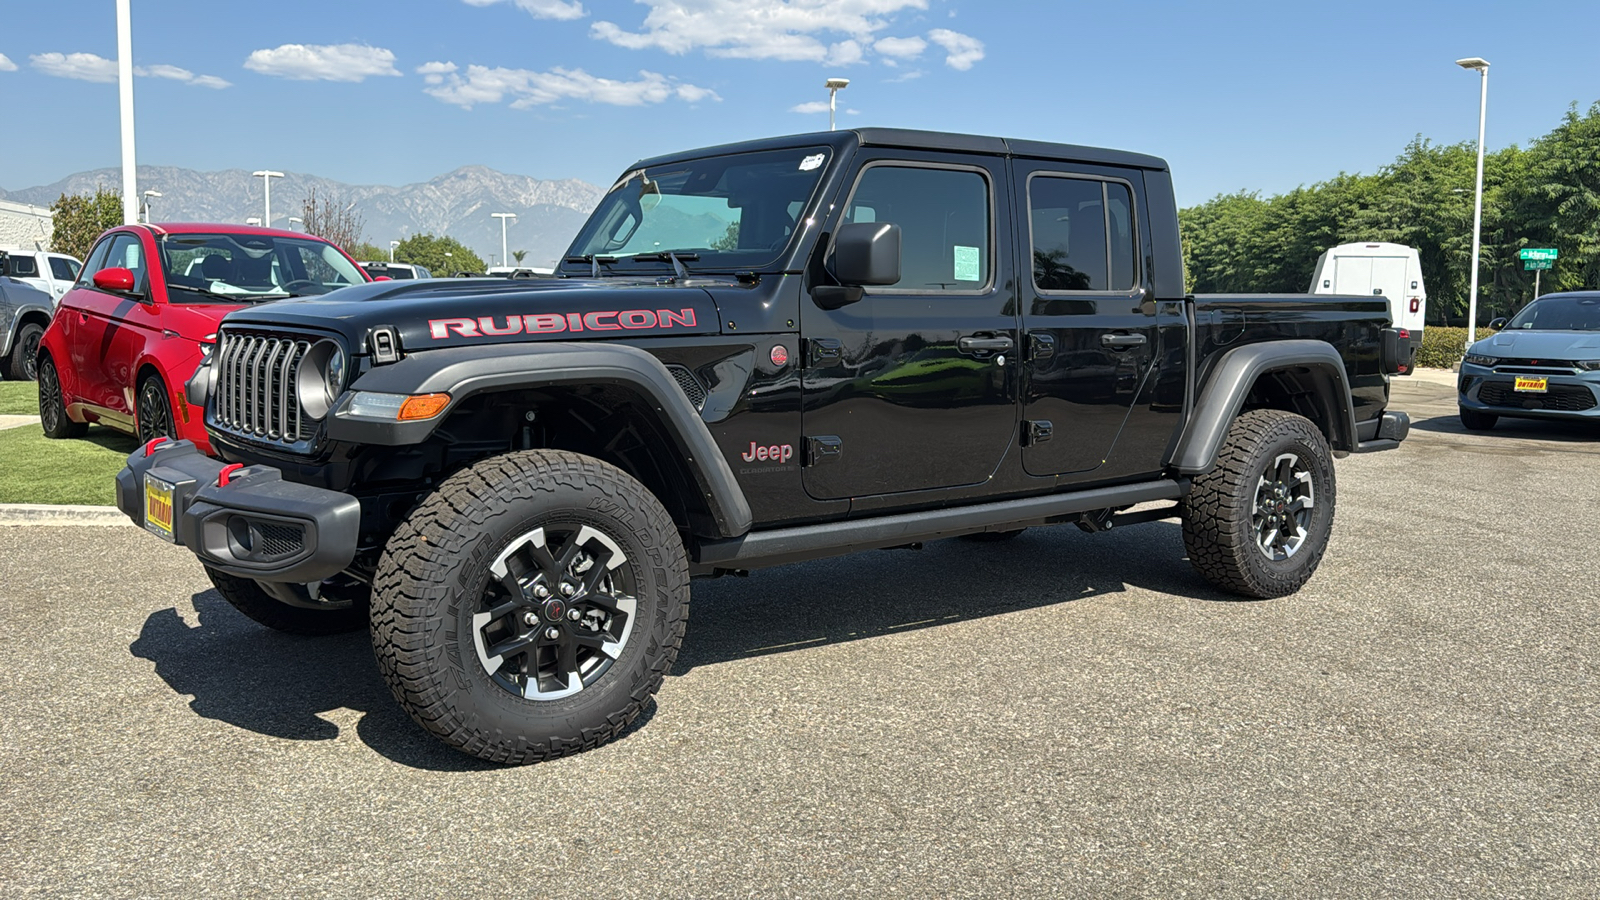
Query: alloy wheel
(557, 612)
(30, 354)
(155, 420)
(1283, 508)
(50, 411)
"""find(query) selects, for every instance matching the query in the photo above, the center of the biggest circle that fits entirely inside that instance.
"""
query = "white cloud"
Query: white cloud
(526, 88)
(831, 31)
(962, 50)
(82, 66)
(810, 107)
(173, 73)
(901, 48)
(332, 62)
(6, 65)
(542, 9)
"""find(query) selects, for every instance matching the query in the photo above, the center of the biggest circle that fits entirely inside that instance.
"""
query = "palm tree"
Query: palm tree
(518, 255)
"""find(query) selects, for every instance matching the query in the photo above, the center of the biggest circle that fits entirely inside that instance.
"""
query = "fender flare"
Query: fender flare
(23, 311)
(463, 372)
(1230, 383)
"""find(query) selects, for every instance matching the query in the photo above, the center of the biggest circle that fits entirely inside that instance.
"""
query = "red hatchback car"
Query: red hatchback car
(144, 313)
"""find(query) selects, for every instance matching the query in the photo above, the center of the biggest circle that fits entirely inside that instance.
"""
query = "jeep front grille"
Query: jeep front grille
(257, 378)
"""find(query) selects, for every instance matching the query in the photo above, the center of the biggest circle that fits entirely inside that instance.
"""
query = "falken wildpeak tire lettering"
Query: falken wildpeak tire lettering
(1218, 529)
(437, 571)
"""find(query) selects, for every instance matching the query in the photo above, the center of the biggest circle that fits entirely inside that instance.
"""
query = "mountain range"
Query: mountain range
(456, 204)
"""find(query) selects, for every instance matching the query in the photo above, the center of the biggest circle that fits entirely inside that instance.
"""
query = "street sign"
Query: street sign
(1535, 253)
(1529, 265)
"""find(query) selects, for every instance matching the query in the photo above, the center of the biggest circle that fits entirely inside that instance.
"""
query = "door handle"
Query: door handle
(1122, 341)
(985, 344)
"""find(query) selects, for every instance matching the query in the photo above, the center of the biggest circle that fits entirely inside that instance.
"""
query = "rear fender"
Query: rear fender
(1236, 374)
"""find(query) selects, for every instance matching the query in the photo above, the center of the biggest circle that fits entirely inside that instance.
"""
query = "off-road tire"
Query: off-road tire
(247, 597)
(1218, 529)
(53, 405)
(435, 573)
(1473, 420)
(23, 364)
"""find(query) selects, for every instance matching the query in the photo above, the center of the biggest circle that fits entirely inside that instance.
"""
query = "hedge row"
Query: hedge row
(1443, 346)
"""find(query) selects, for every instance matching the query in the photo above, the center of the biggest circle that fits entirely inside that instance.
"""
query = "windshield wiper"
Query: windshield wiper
(593, 261)
(231, 298)
(673, 256)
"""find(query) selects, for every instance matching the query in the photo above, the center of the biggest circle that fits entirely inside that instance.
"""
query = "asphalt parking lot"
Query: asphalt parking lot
(1064, 714)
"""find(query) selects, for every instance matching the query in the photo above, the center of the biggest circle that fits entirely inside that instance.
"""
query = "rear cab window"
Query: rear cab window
(1082, 233)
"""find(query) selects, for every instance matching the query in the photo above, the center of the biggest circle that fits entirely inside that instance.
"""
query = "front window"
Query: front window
(241, 268)
(722, 212)
(1559, 314)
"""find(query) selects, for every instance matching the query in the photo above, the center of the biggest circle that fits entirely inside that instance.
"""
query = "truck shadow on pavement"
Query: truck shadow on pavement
(285, 686)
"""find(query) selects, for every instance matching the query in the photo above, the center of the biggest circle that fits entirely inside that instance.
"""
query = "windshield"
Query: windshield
(242, 268)
(1559, 314)
(724, 212)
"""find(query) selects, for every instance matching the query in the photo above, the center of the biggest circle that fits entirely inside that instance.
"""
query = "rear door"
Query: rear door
(1097, 347)
(913, 387)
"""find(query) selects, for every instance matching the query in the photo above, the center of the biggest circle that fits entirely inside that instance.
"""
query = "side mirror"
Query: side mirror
(863, 253)
(1497, 324)
(381, 278)
(117, 280)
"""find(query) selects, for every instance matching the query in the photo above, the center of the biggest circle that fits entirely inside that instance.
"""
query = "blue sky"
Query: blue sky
(1260, 96)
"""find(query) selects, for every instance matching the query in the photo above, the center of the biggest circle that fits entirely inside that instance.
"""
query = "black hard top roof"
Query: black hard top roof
(925, 140)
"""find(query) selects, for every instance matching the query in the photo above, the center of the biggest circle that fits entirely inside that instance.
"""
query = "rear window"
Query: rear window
(24, 267)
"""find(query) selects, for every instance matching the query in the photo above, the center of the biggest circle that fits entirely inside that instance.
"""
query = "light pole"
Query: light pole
(1482, 66)
(266, 176)
(503, 217)
(294, 219)
(130, 187)
(147, 196)
(834, 86)
(392, 245)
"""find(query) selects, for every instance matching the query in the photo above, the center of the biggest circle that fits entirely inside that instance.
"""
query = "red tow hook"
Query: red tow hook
(150, 447)
(222, 477)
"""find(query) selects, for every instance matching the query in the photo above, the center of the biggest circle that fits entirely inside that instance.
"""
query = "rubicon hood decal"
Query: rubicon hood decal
(550, 323)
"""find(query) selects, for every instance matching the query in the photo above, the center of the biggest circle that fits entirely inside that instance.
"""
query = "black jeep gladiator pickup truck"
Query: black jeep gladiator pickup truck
(753, 354)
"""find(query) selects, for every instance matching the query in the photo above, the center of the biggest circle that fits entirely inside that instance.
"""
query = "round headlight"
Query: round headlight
(321, 378)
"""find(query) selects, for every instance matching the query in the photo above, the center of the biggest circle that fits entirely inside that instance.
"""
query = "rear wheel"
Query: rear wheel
(1259, 522)
(291, 609)
(53, 406)
(1477, 421)
(23, 364)
(154, 413)
(531, 606)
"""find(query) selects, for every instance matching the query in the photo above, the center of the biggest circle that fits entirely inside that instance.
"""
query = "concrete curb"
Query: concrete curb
(20, 514)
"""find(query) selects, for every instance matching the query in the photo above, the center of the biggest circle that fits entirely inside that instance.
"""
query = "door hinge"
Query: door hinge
(1037, 431)
(823, 351)
(823, 448)
(1041, 345)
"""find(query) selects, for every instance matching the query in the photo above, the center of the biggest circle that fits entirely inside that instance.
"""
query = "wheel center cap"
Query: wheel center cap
(554, 609)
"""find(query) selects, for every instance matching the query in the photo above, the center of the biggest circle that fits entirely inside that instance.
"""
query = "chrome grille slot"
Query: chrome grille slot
(257, 392)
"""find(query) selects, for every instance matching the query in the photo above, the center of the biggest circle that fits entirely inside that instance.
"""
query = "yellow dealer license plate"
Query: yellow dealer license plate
(1533, 385)
(158, 507)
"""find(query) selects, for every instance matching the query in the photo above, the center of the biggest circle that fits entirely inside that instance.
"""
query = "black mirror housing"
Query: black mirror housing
(867, 253)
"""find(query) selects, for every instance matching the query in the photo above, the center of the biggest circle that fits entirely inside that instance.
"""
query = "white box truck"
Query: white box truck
(1391, 271)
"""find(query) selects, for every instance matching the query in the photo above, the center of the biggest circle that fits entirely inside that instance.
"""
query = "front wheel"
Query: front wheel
(154, 410)
(1258, 523)
(531, 606)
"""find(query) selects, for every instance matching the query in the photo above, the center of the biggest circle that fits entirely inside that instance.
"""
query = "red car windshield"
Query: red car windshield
(244, 268)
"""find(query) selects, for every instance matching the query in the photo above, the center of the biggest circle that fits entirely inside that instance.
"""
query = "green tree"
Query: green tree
(430, 252)
(367, 252)
(80, 218)
(518, 255)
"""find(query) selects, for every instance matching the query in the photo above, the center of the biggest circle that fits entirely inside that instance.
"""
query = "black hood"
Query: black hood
(458, 312)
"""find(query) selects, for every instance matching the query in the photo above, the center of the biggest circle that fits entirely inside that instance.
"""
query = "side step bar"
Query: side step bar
(777, 546)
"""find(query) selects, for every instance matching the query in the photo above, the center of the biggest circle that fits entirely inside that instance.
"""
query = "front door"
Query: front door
(1101, 354)
(914, 386)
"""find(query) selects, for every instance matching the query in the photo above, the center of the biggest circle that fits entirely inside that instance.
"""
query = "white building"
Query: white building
(24, 227)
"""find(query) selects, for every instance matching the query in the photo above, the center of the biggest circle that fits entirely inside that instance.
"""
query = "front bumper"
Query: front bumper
(252, 524)
(1568, 395)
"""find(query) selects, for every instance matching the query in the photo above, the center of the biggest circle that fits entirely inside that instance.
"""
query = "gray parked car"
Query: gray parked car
(24, 312)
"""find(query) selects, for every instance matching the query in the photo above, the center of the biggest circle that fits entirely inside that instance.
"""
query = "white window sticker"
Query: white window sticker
(812, 161)
(967, 263)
